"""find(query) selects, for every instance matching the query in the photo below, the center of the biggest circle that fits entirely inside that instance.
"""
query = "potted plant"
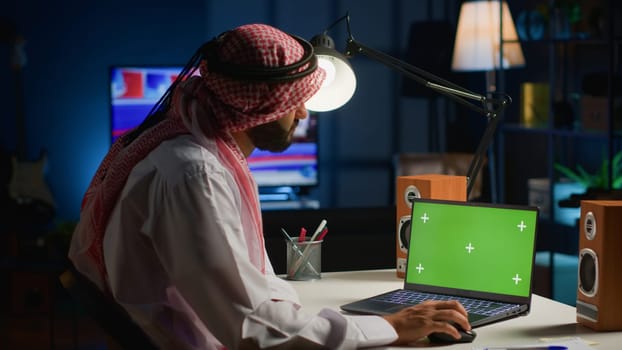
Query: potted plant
(567, 195)
(598, 180)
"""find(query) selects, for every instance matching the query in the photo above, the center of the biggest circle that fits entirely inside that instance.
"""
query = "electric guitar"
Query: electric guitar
(27, 186)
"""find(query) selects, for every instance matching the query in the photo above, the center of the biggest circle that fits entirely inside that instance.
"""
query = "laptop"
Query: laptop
(480, 254)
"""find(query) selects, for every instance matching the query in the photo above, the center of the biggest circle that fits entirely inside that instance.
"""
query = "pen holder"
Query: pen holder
(304, 260)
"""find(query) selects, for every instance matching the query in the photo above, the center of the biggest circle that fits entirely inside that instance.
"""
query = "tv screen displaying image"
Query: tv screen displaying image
(135, 89)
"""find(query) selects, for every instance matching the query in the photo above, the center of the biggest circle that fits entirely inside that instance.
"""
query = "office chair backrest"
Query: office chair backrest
(110, 316)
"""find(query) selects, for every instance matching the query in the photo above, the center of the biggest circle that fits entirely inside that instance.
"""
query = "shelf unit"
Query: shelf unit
(531, 152)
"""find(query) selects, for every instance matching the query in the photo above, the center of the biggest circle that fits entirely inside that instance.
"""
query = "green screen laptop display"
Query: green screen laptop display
(472, 247)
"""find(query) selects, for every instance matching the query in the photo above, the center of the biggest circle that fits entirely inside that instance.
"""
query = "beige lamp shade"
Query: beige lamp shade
(477, 44)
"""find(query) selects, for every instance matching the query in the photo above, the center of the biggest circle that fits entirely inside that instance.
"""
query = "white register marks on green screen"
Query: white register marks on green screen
(472, 247)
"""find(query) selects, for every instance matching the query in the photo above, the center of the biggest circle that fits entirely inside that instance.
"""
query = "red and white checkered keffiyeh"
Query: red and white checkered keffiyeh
(223, 104)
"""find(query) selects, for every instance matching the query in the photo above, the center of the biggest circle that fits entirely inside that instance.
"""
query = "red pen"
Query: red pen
(324, 232)
(302, 235)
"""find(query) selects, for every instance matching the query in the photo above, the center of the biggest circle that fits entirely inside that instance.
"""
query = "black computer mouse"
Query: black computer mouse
(465, 336)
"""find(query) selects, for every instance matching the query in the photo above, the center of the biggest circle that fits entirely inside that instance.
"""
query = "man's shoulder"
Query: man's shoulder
(184, 148)
(184, 154)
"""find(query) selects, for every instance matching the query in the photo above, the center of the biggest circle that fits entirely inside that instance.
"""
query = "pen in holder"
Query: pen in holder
(304, 260)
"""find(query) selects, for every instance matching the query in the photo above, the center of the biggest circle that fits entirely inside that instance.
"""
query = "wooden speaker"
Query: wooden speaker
(600, 284)
(433, 186)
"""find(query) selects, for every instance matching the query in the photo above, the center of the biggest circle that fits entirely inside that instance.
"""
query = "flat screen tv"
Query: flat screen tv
(135, 89)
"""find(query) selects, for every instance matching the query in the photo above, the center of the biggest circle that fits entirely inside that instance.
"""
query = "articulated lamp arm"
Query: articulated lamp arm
(489, 107)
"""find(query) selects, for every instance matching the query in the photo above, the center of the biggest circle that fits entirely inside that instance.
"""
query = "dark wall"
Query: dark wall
(358, 238)
(70, 48)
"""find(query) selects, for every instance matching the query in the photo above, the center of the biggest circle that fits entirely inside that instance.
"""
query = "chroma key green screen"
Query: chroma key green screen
(472, 246)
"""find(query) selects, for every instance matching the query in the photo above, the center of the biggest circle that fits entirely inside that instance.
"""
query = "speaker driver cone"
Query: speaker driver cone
(588, 272)
(405, 233)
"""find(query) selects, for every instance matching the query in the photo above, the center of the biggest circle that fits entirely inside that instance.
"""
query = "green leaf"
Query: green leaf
(600, 179)
(581, 177)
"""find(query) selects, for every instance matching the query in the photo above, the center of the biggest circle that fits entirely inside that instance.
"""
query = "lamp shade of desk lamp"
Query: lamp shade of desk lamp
(478, 46)
(340, 83)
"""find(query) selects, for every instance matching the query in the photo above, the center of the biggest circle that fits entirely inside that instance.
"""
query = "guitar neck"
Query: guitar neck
(20, 119)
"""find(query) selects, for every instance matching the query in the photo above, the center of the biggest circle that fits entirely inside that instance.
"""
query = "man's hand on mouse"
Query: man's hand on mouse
(416, 322)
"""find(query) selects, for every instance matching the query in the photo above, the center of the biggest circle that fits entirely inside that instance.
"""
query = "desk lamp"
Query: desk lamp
(341, 84)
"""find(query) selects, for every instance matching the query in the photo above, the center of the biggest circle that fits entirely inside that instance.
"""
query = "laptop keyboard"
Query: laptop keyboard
(475, 306)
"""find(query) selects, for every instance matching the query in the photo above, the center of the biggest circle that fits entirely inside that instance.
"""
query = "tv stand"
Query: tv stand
(281, 193)
(285, 197)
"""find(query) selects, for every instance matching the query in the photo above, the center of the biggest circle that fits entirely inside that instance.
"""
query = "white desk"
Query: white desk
(547, 319)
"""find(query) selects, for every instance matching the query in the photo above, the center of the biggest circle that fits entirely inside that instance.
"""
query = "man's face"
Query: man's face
(278, 135)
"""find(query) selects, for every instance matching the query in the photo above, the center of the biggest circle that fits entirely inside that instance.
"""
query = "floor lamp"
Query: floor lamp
(480, 47)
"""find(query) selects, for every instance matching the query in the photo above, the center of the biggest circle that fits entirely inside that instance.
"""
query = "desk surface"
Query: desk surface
(547, 319)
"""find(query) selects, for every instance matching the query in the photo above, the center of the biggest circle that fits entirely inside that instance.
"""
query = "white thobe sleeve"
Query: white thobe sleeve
(198, 235)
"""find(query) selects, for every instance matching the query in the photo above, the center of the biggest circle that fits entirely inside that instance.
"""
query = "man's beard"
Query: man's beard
(271, 136)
